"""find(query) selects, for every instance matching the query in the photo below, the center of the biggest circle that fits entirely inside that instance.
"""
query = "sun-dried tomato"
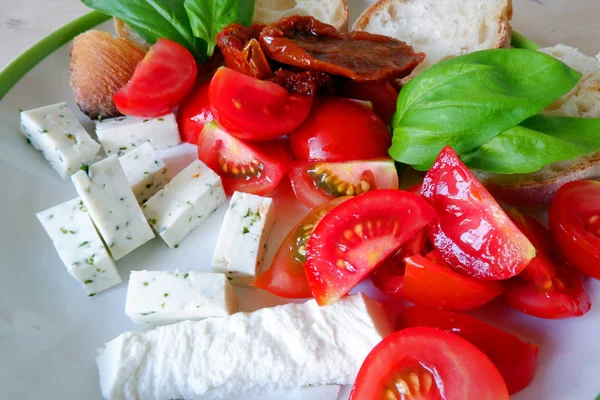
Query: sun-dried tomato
(242, 51)
(303, 82)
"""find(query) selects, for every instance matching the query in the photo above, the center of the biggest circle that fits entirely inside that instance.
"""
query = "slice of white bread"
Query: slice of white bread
(440, 28)
(332, 12)
(583, 101)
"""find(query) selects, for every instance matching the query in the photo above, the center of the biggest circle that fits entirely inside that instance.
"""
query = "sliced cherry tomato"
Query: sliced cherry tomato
(382, 94)
(243, 166)
(359, 234)
(252, 109)
(547, 288)
(575, 224)
(194, 113)
(429, 284)
(473, 233)
(427, 363)
(339, 129)
(286, 277)
(316, 183)
(538, 234)
(160, 81)
(515, 359)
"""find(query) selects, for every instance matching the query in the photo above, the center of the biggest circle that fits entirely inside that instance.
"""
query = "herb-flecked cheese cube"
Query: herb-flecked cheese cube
(112, 206)
(63, 141)
(161, 298)
(79, 246)
(243, 237)
(184, 203)
(123, 134)
(145, 171)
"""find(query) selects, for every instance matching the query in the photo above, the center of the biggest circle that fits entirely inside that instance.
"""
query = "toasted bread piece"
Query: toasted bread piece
(124, 31)
(100, 65)
(332, 12)
(440, 28)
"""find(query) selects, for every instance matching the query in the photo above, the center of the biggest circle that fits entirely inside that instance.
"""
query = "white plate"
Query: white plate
(50, 330)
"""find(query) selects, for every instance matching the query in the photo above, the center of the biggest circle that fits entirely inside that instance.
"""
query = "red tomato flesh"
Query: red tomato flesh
(316, 183)
(243, 166)
(429, 364)
(472, 233)
(575, 224)
(383, 96)
(194, 113)
(286, 277)
(516, 360)
(160, 81)
(339, 129)
(359, 234)
(252, 109)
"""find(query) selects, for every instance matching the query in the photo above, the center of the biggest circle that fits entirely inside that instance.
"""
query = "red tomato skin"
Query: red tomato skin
(574, 220)
(160, 81)
(538, 234)
(339, 129)
(516, 360)
(463, 370)
(472, 233)
(383, 96)
(194, 113)
(251, 109)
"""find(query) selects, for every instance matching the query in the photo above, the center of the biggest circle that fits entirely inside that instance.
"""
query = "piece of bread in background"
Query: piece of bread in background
(124, 31)
(583, 101)
(100, 65)
(332, 12)
(441, 29)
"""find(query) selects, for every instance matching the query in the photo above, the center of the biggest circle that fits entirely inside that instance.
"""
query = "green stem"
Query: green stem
(521, 42)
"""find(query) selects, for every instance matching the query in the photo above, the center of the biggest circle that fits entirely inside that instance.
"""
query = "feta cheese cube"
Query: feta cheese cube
(122, 134)
(184, 203)
(160, 298)
(79, 246)
(112, 206)
(145, 171)
(243, 237)
(57, 133)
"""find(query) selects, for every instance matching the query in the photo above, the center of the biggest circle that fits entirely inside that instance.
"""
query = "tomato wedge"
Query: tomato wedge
(194, 113)
(243, 166)
(316, 183)
(382, 94)
(286, 277)
(472, 233)
(160, 81)
(427, 363)
(516, 360)
(575, 224)
(252, 109)
(359, 234)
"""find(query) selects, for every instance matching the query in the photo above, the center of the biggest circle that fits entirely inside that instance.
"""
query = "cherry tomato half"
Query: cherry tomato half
(286, 277)
(359, 234)
(316, 183)
(339, 129)
(575, 224)
(472, 233)
(515, 359)
(243, 166)
(194, 113)
(160, 81)
(382, 94)
(252, 109)
(428, 363)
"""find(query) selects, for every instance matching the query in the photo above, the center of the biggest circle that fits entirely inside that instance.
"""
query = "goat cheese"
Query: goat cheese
(184, 203)
(145, 171)
(112, 206)
(122, 134)
(79, 246)
(325, 392)
(57, 133)
(268, 351)
(243, 237)
(160, 298)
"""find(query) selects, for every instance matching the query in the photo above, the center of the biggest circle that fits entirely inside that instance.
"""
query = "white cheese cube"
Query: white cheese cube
(57, 133)
(122, 134)
(271, 350)
(243, 237)
(160, 298)
(112, 206)
(145, 171)
(325, 392)
(184, 203)
(79, 246)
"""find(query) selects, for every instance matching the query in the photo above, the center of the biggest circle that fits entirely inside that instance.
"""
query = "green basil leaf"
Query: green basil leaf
(584, 132)
(468, 100)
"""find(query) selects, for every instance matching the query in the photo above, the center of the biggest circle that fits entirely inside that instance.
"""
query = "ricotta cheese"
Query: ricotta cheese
(145, 171)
